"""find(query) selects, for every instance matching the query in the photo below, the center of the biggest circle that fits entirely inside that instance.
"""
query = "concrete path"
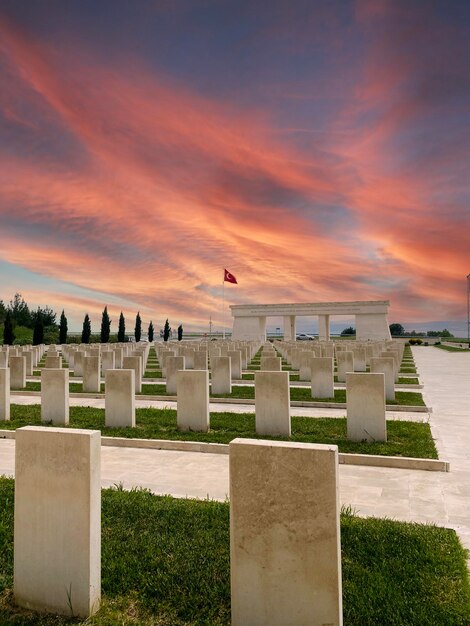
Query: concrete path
(407, 495)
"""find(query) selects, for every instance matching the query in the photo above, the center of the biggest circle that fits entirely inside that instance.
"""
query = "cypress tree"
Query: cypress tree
(166, 331)
(63, 327)
(151, 331)
(122, 329)
(105, 326)
(86, 332)
(38, 332)
(8, 335)
(138, 327)
(180, 332)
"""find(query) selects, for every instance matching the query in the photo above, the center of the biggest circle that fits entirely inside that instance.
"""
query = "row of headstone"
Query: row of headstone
(201, 355)
(285, 543)
(361, 353)
(365, 399)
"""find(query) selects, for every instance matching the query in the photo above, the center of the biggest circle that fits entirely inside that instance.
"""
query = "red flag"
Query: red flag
(229, 278)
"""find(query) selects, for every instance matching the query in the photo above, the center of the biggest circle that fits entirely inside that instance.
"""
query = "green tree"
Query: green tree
(105, 326)
(63, 327)
(8, 335)
(166, 331)
(122, 329)
(47, 315)
(396, 330)
(3, 312)
(138, 327)
(348, 331)
(38, 332)
(20, 313)
(151, 331)
(86, 331)
(180, 332)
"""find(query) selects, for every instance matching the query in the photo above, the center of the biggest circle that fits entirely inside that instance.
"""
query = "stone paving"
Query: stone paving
(408, 495)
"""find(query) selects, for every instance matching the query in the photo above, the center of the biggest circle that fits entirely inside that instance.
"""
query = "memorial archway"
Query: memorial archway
(249, 320)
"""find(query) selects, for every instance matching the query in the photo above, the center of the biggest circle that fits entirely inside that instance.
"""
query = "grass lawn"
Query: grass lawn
(153, 374)
(402, 398)
(404, 438)
(451, 349)
(166, 562)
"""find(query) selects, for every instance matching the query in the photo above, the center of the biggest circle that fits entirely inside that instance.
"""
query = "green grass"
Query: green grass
(166, 562)
(404, 438)
(154, 374)
(293, 377)
(451, 349)
(303, 394)
(300, 394)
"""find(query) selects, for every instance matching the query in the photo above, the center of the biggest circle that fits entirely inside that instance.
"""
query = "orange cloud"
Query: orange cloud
(160, 188)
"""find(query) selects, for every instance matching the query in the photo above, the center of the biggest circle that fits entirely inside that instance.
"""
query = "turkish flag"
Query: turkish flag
(229, 278)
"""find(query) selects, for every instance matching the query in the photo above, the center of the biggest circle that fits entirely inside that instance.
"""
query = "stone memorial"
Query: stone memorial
(173, 365)
(193, 400)
(322, 377)
(55, 395)
(17, 372)
(272, 404)
(91, 374)
(285, 550)
(365, 406)
(57, 537)
(119, 399)
(4, 394)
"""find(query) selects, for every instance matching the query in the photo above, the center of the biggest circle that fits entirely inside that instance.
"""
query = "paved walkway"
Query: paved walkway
(407, 495)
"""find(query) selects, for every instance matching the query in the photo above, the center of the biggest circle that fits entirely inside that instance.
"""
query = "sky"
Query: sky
(317, 150)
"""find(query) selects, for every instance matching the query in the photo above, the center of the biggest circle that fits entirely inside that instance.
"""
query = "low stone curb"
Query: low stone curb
(371, 460)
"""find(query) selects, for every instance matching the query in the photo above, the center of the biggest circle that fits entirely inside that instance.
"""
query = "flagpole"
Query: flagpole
(223, 306)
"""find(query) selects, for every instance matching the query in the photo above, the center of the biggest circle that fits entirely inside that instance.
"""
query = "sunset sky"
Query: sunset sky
(317, 150)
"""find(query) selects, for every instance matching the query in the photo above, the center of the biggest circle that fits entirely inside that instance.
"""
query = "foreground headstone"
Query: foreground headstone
(57, 534)
(360, 360)
(200, 360)
(271, 363)
(91, 374)
(119, 398)
(17, 372)
(385, 366)
(345, 361)
(29, 361)
(285, 552)
(272, 403)
(235, 357)
(305, 373)
(134, 363)
(322, 373)
(221, 375)
(78, 362)
(4, 394)
(53, 362)
(173, 365)
(107, 361)
(365, 407)
(55, 395)
(193, 400)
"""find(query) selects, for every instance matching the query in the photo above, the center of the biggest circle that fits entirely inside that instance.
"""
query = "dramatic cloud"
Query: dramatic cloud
(136, 176)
